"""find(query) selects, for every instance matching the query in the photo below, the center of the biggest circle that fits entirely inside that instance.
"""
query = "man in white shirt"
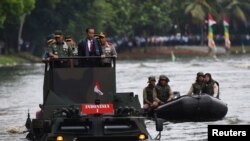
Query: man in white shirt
(90, 47)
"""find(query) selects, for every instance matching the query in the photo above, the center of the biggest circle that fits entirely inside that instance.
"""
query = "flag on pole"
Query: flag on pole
(97, 88)
(211, 22)
(226, 33)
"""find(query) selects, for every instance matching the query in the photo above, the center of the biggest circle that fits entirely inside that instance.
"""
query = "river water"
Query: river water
(21, 89)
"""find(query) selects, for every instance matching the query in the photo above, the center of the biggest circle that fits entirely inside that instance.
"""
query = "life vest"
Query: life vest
(149, 92)
(197, 88)
(218, 96)
(209, 88)
(162, 92)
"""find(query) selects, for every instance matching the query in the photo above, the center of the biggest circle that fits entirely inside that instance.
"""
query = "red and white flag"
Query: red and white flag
(97, 88)
(211, 20)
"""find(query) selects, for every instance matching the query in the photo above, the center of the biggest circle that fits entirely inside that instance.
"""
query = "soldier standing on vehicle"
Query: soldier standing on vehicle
(162, 92)
(107, 50)
(73, 49)
(60, 49)
(50, 42)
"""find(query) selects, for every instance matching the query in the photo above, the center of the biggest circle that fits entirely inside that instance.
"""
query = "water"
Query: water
(21, 89)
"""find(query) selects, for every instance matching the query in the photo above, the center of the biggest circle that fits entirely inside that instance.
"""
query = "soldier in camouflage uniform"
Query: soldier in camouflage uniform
(50, 42)
(60, 49)
(162, 92)
(73, 49)
(197, 87)
(148, 101)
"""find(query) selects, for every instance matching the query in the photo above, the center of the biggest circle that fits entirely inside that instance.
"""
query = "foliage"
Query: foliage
(115, 17)
(12, 10)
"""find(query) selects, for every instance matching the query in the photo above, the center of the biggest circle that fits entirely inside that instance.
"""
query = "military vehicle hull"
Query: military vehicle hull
(193, 108)
(92, 128)
(81, 103)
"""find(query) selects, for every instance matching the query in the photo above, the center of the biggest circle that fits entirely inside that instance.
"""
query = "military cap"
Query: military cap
(163, 77)
(200, 74)
(68, 38)
(151, 78)
(50, 38)
(101, 35)
(58, 33)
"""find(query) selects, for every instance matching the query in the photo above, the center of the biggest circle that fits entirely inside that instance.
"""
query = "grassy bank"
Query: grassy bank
(6, 60)
(240, 50)
(15, 59)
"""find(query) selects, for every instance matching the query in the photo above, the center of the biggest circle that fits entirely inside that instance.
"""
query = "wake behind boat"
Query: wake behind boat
(193, 108)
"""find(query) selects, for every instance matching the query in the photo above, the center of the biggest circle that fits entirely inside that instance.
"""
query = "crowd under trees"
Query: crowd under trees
(31, 21)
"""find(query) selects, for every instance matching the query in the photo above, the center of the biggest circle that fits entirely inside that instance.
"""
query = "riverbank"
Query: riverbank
(137, 53)
(163, 52)
(17, 59)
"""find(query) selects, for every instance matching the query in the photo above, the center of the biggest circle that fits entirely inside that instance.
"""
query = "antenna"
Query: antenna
(28, 121)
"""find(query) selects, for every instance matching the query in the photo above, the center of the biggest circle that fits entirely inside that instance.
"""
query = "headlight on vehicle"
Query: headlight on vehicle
(142, 137)
(59, 138)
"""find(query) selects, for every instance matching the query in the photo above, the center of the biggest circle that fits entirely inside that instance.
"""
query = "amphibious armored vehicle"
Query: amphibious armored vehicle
(80, 102)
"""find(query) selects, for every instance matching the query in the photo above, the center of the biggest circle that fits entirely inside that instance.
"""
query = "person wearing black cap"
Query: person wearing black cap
(90, 47)
(197, 87)
(50, 42)
(211, 87)
(60, 50)
(148, 101)
(108, 50)
(162, 92)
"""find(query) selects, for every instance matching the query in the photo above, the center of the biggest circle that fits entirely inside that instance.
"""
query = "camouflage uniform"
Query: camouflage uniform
(198, 86)
(209, 88)
(162, 94)
(148, 91)
(148, 98)
(73, 49)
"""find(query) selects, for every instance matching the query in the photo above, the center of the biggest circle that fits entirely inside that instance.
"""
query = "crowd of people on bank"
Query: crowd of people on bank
(158, 94)
(126, 43)
(60, 47)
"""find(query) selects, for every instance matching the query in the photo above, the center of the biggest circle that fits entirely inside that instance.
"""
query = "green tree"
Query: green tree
(198, 10)
(152, 17)
(236, 10)
(12, 17)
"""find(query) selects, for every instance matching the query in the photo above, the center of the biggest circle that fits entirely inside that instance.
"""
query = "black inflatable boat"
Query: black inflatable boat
(193, 108)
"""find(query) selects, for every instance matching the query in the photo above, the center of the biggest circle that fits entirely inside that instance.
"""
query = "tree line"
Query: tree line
(33, 20)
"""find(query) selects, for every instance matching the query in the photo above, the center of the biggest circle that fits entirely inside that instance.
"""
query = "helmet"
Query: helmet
(200, 74)
(151, 78)
(163, 77)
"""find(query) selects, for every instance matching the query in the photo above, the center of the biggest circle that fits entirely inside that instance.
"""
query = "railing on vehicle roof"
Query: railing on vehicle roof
(79, 61)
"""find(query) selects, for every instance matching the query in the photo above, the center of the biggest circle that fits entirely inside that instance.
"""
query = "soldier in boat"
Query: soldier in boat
(162, 92)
